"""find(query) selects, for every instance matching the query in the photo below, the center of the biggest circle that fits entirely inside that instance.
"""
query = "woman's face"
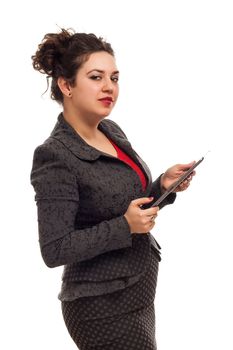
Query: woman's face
(96, 86)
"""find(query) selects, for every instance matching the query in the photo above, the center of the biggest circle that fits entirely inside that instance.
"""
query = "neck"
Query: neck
(84, 126)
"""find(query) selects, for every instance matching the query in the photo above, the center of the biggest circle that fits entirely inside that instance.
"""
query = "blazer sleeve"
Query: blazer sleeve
(57, 199)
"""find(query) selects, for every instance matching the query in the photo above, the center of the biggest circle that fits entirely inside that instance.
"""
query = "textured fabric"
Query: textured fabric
(82, 195)
(123, 156)
(120, 320)
(132, 331)
(72, 289)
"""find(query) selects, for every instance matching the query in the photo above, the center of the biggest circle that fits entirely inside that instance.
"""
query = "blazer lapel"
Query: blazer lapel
(65, 133)
(126, 146)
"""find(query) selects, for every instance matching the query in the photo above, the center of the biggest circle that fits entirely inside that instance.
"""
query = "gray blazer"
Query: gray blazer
(82, 195)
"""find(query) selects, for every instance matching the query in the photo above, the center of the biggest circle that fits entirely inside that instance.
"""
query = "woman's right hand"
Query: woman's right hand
(140, 220)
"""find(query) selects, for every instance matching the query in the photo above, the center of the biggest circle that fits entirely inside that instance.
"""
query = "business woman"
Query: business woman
(93, 194)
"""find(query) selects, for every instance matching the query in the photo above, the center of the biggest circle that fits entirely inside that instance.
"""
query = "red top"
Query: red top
(123, 156)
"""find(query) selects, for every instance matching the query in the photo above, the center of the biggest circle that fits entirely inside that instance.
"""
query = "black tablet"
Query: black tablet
(176, 184)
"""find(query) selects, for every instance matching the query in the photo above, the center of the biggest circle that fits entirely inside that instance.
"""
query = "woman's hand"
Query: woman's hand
(172, 174)
(141, 220)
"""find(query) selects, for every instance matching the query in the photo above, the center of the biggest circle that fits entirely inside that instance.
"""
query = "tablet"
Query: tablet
(176, 184)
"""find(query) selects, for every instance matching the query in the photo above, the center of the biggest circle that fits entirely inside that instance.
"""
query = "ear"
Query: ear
(64, 86)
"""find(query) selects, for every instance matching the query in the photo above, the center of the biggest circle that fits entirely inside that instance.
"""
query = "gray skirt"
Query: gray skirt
(122, 320)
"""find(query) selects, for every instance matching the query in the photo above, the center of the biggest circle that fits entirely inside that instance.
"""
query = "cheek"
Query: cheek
(86, 95)
(116, 91)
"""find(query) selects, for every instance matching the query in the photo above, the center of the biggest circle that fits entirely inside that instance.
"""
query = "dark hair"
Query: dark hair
(62, 54)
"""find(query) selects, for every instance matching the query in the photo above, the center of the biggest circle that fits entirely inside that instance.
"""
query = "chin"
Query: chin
(102, 113)
(105, 113)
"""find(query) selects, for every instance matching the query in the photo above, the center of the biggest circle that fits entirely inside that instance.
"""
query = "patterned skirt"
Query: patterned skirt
(122, 320)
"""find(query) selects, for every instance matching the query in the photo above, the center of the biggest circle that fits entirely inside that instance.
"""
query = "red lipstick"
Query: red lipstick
(106, 100)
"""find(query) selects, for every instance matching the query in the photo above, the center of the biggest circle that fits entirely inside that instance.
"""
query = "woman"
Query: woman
(93, 194)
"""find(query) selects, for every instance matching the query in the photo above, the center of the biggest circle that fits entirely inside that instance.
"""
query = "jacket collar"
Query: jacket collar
(66, 134)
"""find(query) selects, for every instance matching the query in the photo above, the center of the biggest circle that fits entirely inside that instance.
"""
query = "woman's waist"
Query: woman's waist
(71, 290)
(105, 299)
(119, 263)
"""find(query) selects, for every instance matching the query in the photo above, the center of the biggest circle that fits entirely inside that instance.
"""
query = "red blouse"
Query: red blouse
(123, 156)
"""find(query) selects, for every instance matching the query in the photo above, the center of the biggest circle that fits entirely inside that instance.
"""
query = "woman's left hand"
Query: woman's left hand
(172, 174)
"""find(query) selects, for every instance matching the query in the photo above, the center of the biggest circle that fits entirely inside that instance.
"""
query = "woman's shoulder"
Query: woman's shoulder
(50, 152)
(49, 146)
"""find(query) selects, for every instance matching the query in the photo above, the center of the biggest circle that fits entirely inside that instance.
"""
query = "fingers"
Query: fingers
(143, 200)
(185, 184)
(185, 167)
(152, 224)
(193, 173)
(141, 220)
(151, 214)
(151, 211)
(189, 165)
(189, 178)
(152, 219)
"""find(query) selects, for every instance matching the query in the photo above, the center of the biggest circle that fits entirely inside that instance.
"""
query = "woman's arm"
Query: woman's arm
(57, 197)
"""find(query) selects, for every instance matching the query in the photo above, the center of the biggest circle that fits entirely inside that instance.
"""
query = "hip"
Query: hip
(137, 296)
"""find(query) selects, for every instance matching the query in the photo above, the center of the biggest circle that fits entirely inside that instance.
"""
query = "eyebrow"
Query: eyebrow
(102, 71)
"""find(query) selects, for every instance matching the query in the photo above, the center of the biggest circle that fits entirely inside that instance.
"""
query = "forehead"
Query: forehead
(101, 61)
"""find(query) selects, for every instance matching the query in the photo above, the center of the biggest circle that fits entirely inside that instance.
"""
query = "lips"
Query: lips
(109, 99)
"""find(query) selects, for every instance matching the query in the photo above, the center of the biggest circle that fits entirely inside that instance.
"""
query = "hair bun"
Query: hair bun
(62, 54)
(47, 58)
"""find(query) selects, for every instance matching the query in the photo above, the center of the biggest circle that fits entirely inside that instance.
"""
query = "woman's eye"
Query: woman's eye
(95, 77)
(115, 79)
(98, 77)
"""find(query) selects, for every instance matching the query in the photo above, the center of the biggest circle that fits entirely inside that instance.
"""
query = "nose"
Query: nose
(108, 85)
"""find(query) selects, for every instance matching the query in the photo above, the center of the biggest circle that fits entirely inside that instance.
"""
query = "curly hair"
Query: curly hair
(62, 54)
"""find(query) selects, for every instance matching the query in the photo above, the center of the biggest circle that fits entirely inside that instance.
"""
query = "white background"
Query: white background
(175, 104)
